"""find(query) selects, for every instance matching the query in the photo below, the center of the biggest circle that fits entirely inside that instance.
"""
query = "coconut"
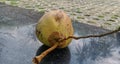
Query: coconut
(54, 26)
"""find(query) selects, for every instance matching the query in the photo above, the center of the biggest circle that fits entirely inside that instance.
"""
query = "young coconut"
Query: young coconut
(53, 27)
(55, 30)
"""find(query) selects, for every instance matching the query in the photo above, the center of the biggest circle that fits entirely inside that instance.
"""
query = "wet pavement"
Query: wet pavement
(18, 42)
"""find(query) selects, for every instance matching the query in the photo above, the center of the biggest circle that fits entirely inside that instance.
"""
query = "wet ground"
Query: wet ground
(18, 43)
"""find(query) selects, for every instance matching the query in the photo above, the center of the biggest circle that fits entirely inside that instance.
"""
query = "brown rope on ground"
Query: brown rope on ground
(100, 35)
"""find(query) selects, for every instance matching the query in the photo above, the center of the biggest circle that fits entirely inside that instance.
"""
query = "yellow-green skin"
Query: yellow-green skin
(54, 25)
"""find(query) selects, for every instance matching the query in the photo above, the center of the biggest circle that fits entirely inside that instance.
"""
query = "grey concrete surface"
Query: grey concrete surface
(100, 13)
(18, 43)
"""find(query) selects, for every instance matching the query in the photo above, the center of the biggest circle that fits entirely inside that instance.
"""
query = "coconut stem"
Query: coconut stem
(100, 35)
(37, 59)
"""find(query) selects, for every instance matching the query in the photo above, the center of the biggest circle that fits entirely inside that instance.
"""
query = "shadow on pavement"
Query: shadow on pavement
(57, 56)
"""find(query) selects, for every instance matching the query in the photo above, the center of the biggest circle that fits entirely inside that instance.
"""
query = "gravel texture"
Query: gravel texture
(101, 13)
